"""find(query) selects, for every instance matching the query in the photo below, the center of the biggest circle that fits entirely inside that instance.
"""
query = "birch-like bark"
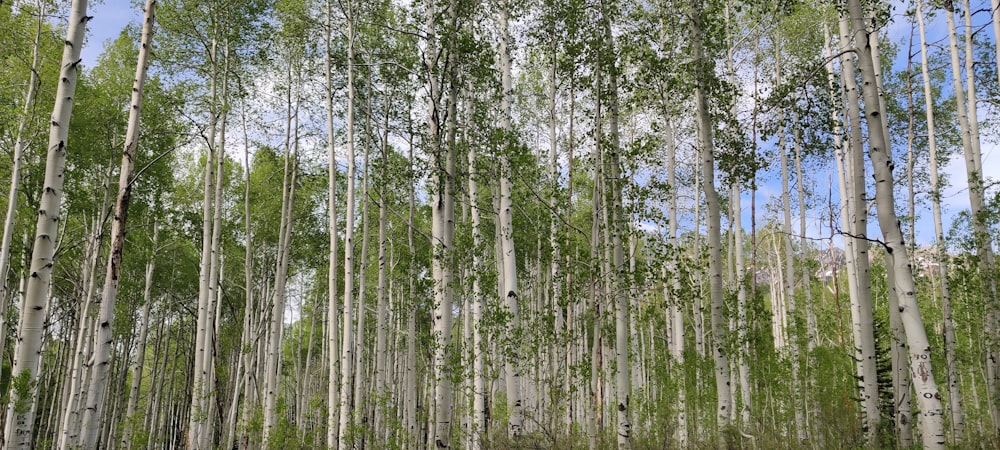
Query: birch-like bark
(273, 362)
(347, 351)
(956, 415)
(132, 422)
(333, 307)
(554, 265)
(478, 428)
(510, 285)
(27, 355)
(675, 308)
(619, 270)
(928, 398)
(20, 142)
(196, 414)
(102, 332)
(984, 241)
(788, 288)
(706, 150)
(858, 220)
(381, 325)
(410, 404)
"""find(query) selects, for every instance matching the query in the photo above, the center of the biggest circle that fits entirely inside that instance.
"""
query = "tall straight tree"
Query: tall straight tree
(20, 143)
(19, 426)
(928, 398)
(956, 416)
(442, 213)
(333, 307)
(508, 252)
(347, 350)
(965, 99)
(616, 218)
(857, 209)
(102, 332)
(703, 76)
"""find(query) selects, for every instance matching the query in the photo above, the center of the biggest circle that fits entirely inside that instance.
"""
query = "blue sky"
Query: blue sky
(111, 16)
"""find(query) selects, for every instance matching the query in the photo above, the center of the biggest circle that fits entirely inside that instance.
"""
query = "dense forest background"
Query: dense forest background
(536, 224)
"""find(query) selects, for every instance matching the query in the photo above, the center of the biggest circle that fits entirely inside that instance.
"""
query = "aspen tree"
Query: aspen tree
(102, 332)
(347, 350)
(928, 398)
(410, 382)
(272, 365)
(506, 237)
(956, 415)
(863, 322)
(20, 142)
(442, 160)
(900, 381)
(20, 419)
(706, 152)
(478, 428)
(741, 325)
(140, 359)
(362, 309)
(381, 325)
(966, 101)
(333, 307)
(675, 310)
(196, 415)
(615, 217)
(788, 280)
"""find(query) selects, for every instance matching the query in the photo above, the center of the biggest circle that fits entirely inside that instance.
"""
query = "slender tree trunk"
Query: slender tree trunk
(197, 412)
(510, 285)
(984, 242)
(410, 405)
(360, 377)
(675, 309)
(132, 425)
(706, 147)
(619, 271)
(929, 400)
(858, 214)
(347, 351)
(20, 417)
(941, 253)
(478, 427)
(333, 307)
(788, 289)
(20, 142)
(102, 332)
(274, 350)
(381, 325)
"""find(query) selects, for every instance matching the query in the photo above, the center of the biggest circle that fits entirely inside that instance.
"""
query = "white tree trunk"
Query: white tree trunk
(675, 309)
(858, 213)
(928, 398)
(478, 427)
(509, 255)
(347, 351)
(140, 353)
(15, 176)
(274, 349)
(20, 419)
(706, 150)
(381, 324)
(984, 241)
(102, 332)
(333, 307)
(196, 414)
(941, 254)
(618, 272)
